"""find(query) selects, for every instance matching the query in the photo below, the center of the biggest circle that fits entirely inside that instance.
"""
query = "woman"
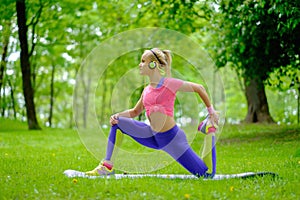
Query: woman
(158, 100)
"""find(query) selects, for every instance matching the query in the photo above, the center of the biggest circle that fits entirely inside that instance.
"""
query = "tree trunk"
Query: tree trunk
(104, 94)
(2, 68)
(258, 109)
(3, 103)
(13, 102)
(51, 96)
(6, 35)
(25, 66)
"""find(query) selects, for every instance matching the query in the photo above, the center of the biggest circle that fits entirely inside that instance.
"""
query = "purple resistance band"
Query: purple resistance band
(173, 142)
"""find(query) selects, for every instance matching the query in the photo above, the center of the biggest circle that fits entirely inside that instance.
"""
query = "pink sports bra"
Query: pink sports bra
(161, 99)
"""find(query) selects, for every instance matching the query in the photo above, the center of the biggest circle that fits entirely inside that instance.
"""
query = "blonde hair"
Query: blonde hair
(163, 58)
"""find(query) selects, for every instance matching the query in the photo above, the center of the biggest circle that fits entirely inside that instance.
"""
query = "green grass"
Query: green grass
(32, 165)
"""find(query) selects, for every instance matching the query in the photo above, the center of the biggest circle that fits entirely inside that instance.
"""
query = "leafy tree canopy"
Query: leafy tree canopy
(259, 36)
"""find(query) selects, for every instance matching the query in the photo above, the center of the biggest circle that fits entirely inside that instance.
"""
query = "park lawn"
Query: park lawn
(32, 165)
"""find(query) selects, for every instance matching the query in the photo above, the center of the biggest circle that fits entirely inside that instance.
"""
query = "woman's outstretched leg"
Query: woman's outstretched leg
(181, 151)
(139, 131)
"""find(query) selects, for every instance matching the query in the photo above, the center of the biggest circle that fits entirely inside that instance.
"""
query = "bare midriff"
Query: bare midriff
(161, 122)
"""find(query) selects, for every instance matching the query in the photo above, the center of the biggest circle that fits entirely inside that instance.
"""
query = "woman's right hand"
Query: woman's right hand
(114, 119)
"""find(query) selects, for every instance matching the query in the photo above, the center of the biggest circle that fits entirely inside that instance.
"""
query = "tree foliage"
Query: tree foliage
(67, 31)
(258, 38)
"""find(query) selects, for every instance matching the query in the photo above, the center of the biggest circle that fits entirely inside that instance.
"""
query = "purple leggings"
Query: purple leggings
(173, 142)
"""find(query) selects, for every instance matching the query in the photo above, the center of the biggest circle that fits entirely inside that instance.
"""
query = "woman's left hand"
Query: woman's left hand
(214, 118)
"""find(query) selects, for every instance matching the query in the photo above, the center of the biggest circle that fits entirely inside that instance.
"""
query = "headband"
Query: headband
(156, 56)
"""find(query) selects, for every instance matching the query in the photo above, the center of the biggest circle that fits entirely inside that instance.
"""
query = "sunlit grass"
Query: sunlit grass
(32, 165)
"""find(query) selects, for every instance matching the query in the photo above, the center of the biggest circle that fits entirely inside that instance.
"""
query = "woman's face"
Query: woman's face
(145, 60)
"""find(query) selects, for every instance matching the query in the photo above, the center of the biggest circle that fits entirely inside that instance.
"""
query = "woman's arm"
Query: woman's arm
(193, 87)
(131, 113)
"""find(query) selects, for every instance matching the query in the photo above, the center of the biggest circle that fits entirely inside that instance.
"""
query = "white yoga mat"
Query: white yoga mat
(73, 173)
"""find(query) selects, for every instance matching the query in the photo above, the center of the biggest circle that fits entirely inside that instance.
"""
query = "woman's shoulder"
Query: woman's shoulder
(173, 80)
(173, 84)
